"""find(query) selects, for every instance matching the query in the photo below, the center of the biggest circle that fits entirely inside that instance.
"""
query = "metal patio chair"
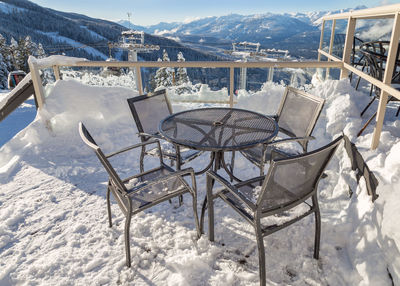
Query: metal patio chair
(375, 64)
(289, 182)
(144, 190)
(297, 114)
(148, 110)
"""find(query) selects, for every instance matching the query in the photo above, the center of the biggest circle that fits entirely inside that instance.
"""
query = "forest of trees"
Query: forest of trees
(14, 56)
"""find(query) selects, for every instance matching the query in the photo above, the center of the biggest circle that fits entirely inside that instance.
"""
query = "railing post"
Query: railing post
(231, 86)
(348, 45)
(387, 79)
(56, 70)
(321, 40)
(139, 80)
(331, 44)
(37, 82)
(270, 74)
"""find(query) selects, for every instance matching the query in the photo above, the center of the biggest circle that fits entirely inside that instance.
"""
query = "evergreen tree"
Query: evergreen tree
(3, 73)
(164, 75)
(40, 53)
(17, 51)
(5, 52)
(181, 73)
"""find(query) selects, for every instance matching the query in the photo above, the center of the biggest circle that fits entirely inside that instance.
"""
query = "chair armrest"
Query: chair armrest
(135, 146)
(279, 154)
(157, 136)
(286, 140)
(181, 174)
(231, 188)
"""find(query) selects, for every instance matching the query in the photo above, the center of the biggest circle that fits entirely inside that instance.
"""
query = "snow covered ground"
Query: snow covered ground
(53, 220)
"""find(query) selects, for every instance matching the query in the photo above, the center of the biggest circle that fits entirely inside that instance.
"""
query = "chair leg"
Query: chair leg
(262, 169)
(261, 254)
(142, 158)
(232, 165)
(127, 239)
(317, 226)
(210, 206)
(358, 82)
(109, 205)
(196, 216)
(369, 104)
(203, 210)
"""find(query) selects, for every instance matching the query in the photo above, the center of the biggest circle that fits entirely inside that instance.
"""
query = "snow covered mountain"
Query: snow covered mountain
(297, 32)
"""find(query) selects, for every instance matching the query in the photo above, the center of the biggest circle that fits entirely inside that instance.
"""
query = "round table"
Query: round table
(218, 129)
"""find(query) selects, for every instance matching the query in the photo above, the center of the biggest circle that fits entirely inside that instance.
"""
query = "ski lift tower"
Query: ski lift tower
(133, 42)
(247, 51)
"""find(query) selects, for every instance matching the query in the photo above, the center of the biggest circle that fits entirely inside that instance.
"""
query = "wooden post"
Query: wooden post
(348, 45)
(56, 70)
(37, 82)
(321, 40)
(139, 80)
(331, 44)
(387, 79)
(231, 85)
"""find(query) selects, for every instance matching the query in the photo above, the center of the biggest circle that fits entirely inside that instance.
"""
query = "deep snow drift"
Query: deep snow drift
(53, 220)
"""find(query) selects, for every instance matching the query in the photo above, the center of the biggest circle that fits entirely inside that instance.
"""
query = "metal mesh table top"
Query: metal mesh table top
(218, 129)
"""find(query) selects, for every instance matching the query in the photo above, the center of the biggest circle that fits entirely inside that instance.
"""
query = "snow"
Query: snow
(53, 220)
(9, 8)
(55, 60)
(56, 37)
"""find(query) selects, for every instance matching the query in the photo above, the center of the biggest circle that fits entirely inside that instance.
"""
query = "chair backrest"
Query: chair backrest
(298, 113)
(293, 180)
(148, 110)
(88, 139)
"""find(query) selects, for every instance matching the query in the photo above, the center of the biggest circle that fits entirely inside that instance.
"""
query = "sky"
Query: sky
(151, 12)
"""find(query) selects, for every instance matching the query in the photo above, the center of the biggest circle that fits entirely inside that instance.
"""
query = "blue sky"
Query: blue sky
(148, 12)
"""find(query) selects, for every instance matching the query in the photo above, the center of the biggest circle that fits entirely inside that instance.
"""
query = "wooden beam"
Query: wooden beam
(139, 80)
(231, 85)
(321, 40)
(56, 71)
(348, 45)
(387, 79)
(388, 11)
(331, 43)
(37, 82)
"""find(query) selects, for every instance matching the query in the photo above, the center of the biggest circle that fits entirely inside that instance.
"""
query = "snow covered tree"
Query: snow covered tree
(6, 53)
(164, 75)
(18, 53)
(40, 53)
(181, 73)
(3, 73)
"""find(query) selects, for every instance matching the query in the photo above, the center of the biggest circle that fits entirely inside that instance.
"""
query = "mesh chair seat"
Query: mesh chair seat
(143, 194)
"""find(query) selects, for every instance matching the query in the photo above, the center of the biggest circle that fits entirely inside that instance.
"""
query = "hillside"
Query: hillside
(74, 34)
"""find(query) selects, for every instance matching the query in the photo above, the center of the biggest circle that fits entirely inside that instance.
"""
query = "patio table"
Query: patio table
(218, 130)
